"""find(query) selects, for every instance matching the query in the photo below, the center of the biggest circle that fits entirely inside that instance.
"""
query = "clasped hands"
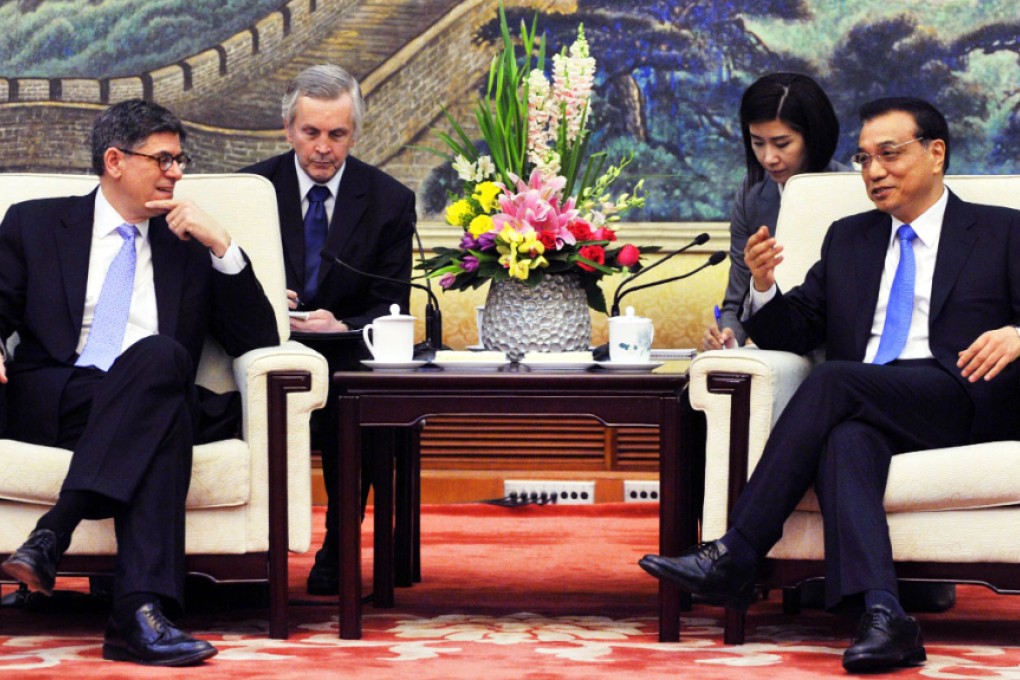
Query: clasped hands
(985, 358)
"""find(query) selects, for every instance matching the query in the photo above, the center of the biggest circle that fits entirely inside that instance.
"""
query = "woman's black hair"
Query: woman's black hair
(798, 101)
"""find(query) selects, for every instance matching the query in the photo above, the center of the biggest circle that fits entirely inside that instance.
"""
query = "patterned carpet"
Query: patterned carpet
(533, 593)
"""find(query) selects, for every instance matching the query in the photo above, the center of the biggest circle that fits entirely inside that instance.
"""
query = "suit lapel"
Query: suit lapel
(956, 241)
(868, 262)
(73, 246)
(168, 263)
(288, 198)
(351, 203)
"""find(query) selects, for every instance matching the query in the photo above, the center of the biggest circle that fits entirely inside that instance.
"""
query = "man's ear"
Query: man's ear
(113, 161)
(937, 149)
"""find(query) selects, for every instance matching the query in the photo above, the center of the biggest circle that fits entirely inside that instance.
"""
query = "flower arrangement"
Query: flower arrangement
(532, 206)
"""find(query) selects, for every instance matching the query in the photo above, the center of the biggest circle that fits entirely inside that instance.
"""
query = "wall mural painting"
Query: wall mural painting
(670, 73)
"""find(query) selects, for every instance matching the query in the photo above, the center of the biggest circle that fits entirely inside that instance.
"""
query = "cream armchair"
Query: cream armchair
(958, 503)
(250, 498)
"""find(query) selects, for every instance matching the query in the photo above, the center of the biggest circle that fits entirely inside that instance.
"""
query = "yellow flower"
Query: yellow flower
(459, 214)
(480, 225)
(486, 194)
(520, 253)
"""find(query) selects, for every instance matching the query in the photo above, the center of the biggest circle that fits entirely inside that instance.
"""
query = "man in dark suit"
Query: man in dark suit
(370, 218)
(917, 303)
(112, 296)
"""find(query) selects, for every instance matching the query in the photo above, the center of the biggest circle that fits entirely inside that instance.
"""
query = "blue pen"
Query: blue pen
(718, 318)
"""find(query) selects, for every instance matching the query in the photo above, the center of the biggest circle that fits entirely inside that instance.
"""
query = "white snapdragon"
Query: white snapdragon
(573, 79)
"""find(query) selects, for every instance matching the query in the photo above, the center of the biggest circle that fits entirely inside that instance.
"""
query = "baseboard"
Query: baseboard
(464, 486)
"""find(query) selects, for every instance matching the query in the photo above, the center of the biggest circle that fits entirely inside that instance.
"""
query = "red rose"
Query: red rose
(547, 239)
(593, 253)
(580, 229)
(604, 234)
(628, 256)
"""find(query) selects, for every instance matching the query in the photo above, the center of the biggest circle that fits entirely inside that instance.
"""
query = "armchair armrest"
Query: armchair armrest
(252, 371)
(742, 392)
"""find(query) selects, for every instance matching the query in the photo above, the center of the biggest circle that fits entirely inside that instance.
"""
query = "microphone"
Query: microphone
(618, 295)
(433, 319)
(714, 259)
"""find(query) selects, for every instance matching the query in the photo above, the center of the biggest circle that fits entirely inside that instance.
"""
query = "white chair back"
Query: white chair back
(813, 201)
(244, 204)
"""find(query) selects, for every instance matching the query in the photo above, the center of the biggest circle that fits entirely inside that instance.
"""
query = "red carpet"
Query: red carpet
(534, 593)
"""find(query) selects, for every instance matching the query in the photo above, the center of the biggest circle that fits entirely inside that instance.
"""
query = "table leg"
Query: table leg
(381, 455)
(349, 497)
(674, 515)
(403, 533)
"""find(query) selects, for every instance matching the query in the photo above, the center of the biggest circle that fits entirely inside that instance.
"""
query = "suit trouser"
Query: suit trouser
(839, 433)
(131, 432)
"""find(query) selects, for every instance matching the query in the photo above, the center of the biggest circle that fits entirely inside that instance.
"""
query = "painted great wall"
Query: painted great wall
(411, 58)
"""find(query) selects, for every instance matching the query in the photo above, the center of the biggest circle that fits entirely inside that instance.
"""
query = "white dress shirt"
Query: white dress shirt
(928, 227)
(143, 317)
(305, 184)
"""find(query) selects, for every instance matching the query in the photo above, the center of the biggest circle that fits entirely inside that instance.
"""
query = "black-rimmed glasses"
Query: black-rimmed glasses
(163, 159)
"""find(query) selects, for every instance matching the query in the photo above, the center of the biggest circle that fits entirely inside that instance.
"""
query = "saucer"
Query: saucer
(558, 365)
(630, 366)
(470, 365)
(392, 365)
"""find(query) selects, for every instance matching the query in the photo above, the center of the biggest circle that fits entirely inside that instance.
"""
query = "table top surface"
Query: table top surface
(671, 376)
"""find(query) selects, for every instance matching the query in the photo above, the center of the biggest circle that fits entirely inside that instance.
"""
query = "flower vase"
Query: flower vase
(551, 316)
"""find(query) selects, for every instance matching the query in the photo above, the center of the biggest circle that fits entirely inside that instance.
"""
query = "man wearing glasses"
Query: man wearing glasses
(917, 303)
(112, 295)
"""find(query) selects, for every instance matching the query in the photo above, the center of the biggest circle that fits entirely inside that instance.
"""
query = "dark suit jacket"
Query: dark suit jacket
(44, 258)
(372, 227)
(976, 288)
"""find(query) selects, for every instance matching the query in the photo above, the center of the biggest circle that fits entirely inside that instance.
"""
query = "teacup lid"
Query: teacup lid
(395, 314)
(629, 316)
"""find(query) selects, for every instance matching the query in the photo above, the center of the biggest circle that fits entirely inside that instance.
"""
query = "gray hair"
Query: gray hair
(127, 125)
(324, 81)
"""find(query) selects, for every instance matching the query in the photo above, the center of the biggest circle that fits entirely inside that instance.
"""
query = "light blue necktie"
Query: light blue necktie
(110, 320)
(901, 301)
(316, 226)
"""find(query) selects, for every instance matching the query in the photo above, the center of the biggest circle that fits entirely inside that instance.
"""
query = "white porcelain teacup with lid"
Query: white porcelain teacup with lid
(390, 338)
(630, 338)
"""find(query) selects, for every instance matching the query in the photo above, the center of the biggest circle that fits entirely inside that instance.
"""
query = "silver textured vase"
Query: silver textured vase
(549, 317)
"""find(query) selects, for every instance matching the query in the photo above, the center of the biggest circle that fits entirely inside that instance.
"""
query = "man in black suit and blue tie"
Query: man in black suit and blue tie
(329, 200)
(112, 296)
(917, 303)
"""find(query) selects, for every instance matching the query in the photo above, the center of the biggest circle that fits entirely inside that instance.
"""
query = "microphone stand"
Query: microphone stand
(433, 319)
(618, 295)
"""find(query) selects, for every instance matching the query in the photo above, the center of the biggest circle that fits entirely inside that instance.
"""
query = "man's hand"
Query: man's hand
(718, 339)
(762, 255)
(3, 372)
(989, 354)
(293, 301)
(319, 321)
(187, 220)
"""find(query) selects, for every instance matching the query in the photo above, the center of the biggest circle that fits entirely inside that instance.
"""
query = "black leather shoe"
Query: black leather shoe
(324, 579)
(707, 570)
(35, 562)
(151, 640)
(884, 641)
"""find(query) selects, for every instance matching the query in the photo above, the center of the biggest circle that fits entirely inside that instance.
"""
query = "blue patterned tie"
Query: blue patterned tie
(316, 226)
(901, 301)
(110, 320)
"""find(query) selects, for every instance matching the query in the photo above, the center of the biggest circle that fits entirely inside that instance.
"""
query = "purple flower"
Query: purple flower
(487, 241)
(467, 241)
(446, 280)
(470, 263)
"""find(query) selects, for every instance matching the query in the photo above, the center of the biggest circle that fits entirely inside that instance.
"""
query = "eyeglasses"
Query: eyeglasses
(163, 159)
(888, 155)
